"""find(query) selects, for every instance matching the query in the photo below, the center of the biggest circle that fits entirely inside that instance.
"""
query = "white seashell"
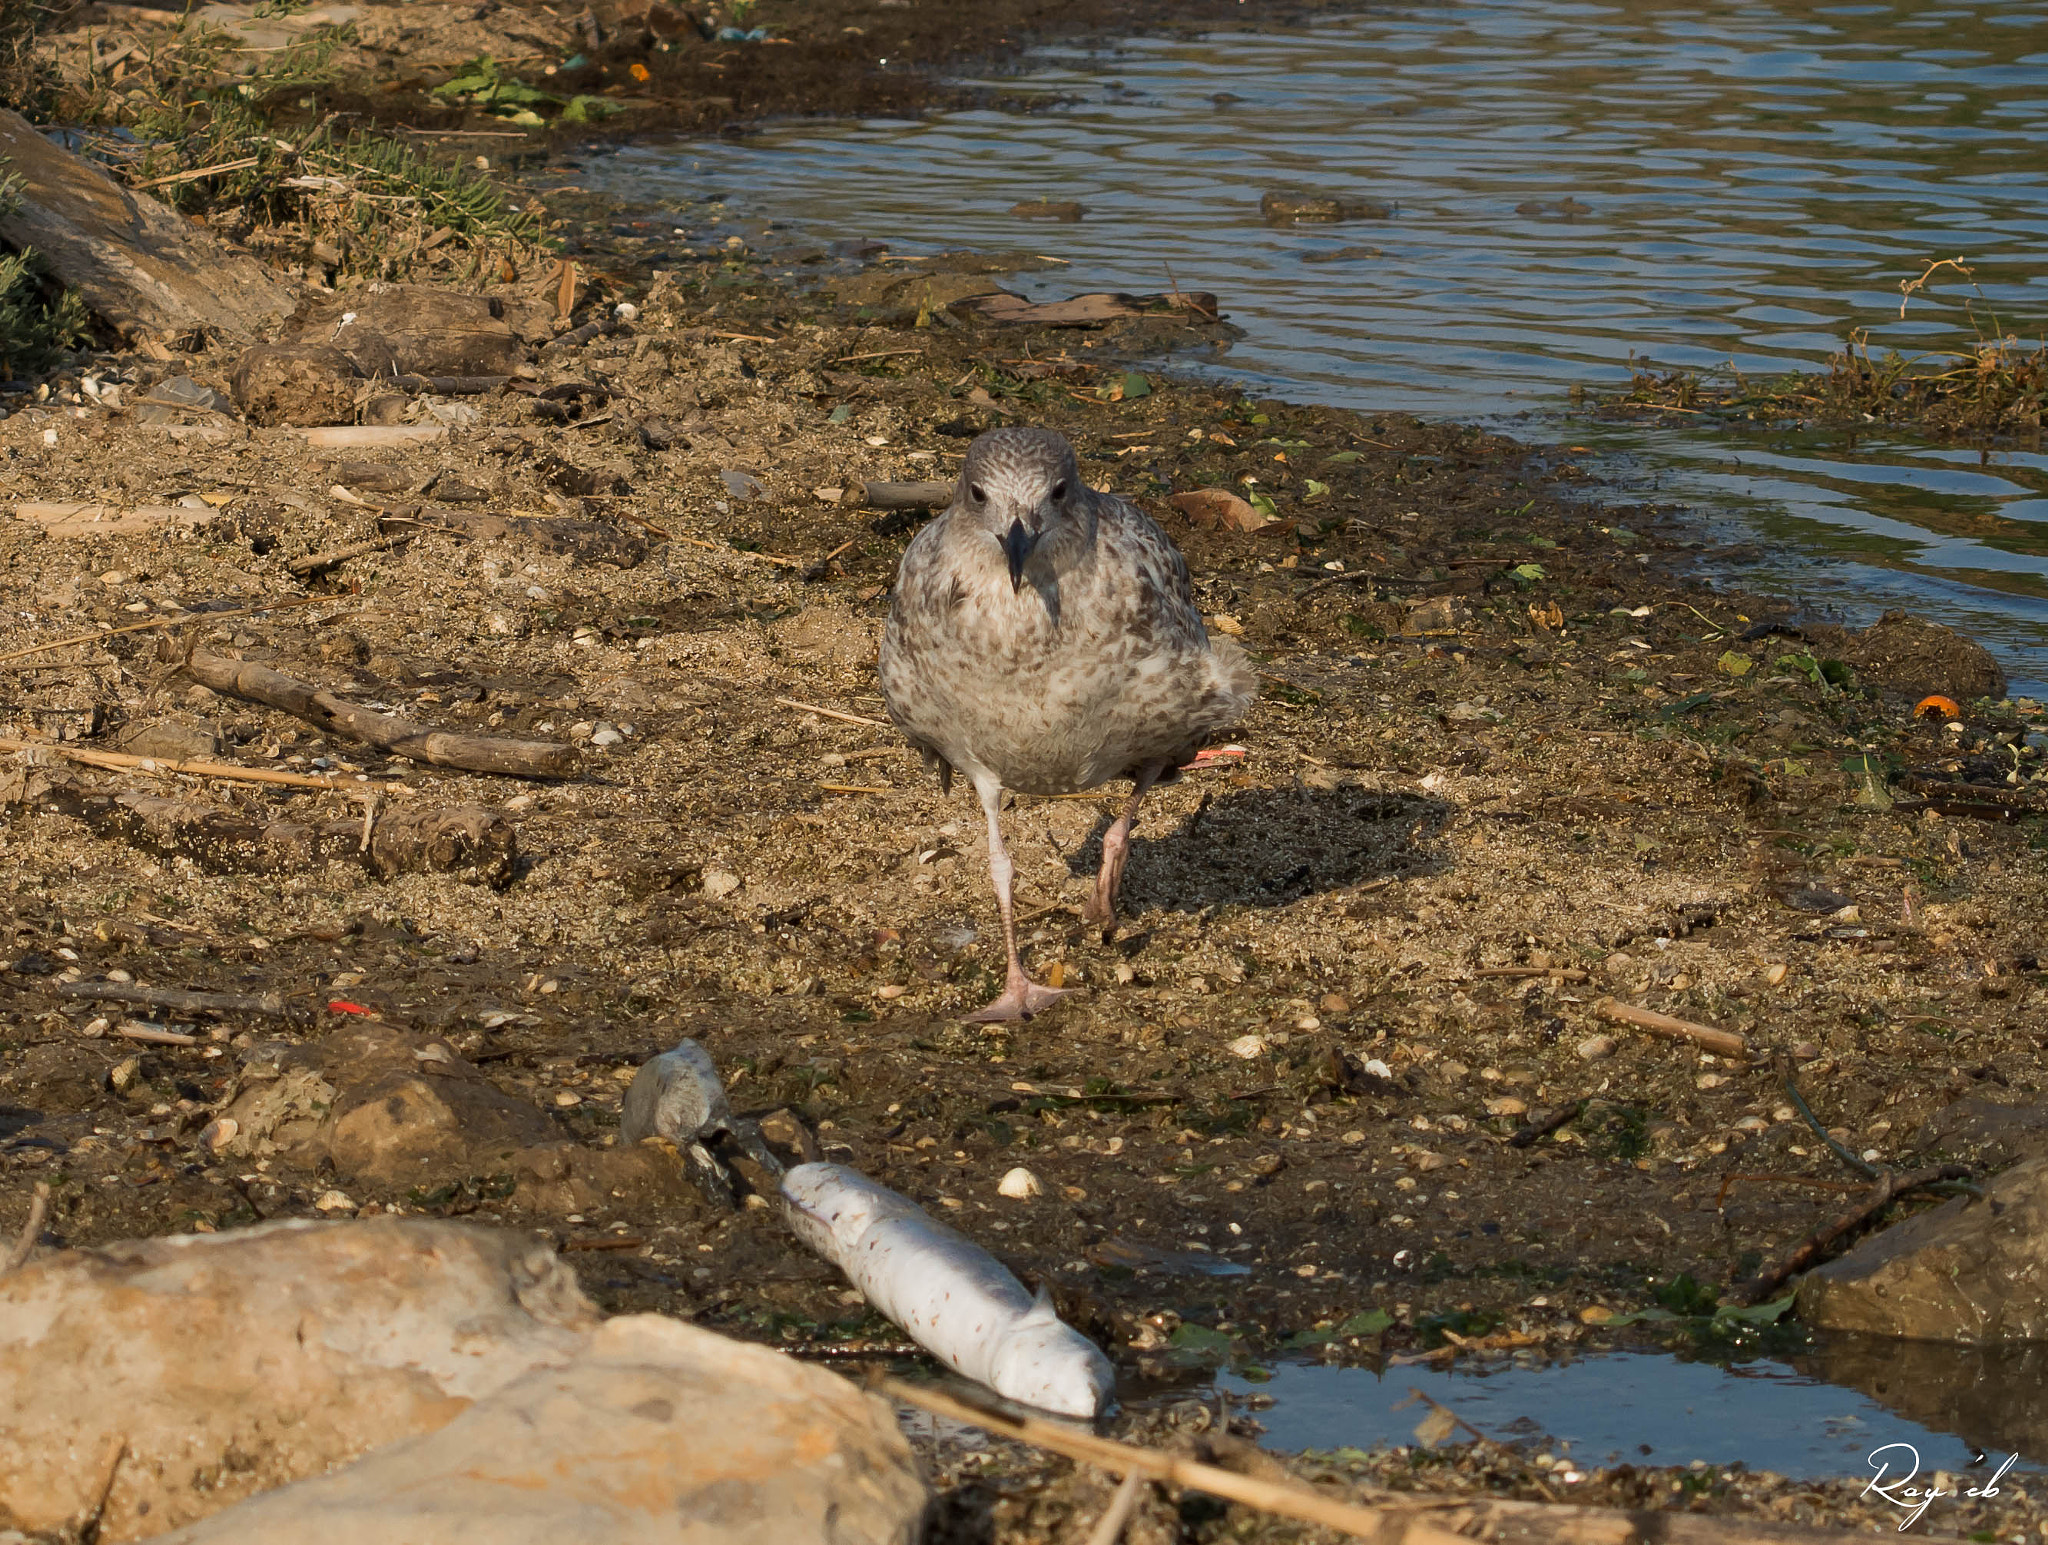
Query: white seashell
(1020, 1185)
(1248, 1047)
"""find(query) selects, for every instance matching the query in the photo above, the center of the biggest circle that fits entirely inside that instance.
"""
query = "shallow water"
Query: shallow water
(1571, 183)
(1654, 1409)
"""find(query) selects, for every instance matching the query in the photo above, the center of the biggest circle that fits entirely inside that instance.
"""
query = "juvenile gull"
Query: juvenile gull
(1044, 638)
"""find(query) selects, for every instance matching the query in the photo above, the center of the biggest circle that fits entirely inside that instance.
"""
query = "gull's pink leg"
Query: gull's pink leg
(1021, 997)
(1116, 848)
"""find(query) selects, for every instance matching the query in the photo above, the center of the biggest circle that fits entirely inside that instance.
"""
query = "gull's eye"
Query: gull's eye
(1059, 490)
(977, 493)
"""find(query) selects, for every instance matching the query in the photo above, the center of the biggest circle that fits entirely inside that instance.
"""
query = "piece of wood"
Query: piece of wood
(1109, 1528)
(227, 772)
(1722, 1043)
(31, 1230)
(906, 496)
(1381, 1517)
(165, 622)
(1519, 973)
(150, 1035)
(179, 1000)
(345, 437)
(401, 737)
(319, 563)
(446, 386)
(468, 841)
(834, 713)
(1007, 310)
(84, 518)
(137, 266)
(1819, 1245)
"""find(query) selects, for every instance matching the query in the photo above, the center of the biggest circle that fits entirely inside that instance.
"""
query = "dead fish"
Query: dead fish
(679, 1096)
(956, 1300)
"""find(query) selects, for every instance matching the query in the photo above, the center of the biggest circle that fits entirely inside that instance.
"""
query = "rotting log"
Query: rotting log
(470, 842)
(388, 732)
(177, 1000)
(907, 496)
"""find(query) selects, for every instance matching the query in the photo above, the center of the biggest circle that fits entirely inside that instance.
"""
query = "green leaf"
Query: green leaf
(840, 414)
(1539, 541)
(1527, 573)
(1758, 1314)
(1734, 663)
(1136, 385)
(585, 109)
(1317, 490)
(1367, 1322)
(1345, 458)
(1202, 1340)
(1623, 536)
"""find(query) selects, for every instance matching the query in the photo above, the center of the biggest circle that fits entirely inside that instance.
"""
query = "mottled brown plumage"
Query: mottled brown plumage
(1043, 637)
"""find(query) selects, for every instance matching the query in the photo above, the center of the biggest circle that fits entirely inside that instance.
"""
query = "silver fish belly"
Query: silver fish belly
(955, 1300)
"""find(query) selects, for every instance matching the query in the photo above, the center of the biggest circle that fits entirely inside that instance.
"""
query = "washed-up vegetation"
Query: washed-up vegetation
(38, 320)
(180, 118)
(1998, 384)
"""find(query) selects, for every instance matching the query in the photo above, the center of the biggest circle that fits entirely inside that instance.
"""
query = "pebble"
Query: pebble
(1308, 1022)
(1507, 1105)
(568, 1098)
(1335, 1003)
(1596, 1048)
(1804, 1051)
(1776, 973)
(1378, 1068)
(119, 976)
(1020, 1185)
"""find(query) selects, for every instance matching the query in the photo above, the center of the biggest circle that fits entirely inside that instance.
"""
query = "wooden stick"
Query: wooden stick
(314, 563)
(855, 788)
(1517, 973)
(1815, 1248)
(1110, 1527)
(152, 1036)
(817, 570)
(180, 999)
(25, 1242)
(1722, 1043)
(226, 771)
(848, 359)
(199, 171)
(1385, 1518)
(401, 737)
(906, 496)
(737, 552)
(165, 622)
(834, 713)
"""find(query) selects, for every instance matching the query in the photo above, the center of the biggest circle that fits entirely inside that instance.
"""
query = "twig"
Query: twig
(25, 1242)
(1109, 1528)
(1810, 1251)
(151, 1035)
(314, 563)
(738, 552)
(817, 570)
(855, 788)
(1563, 1116)
(1860, 1165)
(1722, 1043)
(197, 172)
(1517, 973)
(401, 737)
(164, 622)
(226, 771)
(1438, 1405)
(848, 359)
(182, 999)
(833, 713)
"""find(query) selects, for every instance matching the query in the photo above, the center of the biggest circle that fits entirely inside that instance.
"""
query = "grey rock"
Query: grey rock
(1970, 1271)
(679, 1097)
(659, 1433)
(1986, 1130)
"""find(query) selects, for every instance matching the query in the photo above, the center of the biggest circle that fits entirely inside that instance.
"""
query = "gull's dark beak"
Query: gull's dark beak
(1017, 545)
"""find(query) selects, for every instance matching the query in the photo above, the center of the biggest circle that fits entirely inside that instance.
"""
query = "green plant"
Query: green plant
(483, 83)
(37, 321)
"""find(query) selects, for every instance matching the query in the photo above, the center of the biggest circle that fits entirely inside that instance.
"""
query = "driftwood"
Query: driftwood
(137, 265)
(319, 563)
(227, 772)
(1722, 1043)
(401, 737)
(907, 496)
(1007, 310)
(83, 518)
(1380, 1517)
(178, 1000)
(1819, 1245)
(467, 841)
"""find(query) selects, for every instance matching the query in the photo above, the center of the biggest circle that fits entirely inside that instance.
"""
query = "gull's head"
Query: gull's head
(1022, 487)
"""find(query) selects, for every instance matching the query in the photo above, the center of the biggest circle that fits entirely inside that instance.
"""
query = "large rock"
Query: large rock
(1969, 1271)
(384, 1107)
(661, 1433)
(138, 266)
(1986, 1130)
(220, 1365)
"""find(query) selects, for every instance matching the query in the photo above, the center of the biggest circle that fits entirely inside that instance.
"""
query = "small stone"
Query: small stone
(1267, 1164)
(1596, 1048)
(1507, 1105)
(891, 990)
(1804, 1051)
(1248, 1047)
(334, 1201)
(720, 882)
(567, 1098)
(1617, 964)
(1710, 1081)
(1334, 1003)
(1020, 1185)
(606, 737)
(1752, 1124)
(1354, 1137)
(1308, 1022)
(1776, 973)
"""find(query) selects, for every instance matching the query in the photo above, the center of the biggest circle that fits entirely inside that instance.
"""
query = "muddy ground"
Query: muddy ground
(1513, 753)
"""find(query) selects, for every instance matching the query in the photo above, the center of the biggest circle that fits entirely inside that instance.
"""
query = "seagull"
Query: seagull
(1043, 638)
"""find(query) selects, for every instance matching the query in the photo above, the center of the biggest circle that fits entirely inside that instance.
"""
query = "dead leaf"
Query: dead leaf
(1218, 509)
(1435, 1427)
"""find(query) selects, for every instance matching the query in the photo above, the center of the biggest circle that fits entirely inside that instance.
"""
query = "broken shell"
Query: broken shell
(1020, 1185)
(1248, 1046)
(218, 1133)
(1596, 1048)
(334, 1201)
